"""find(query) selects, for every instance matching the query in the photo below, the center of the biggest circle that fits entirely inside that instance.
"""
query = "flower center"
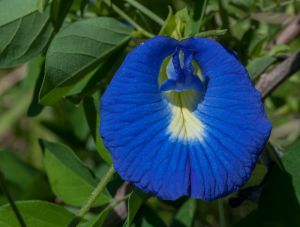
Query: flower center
(181, 73)
(182, 85)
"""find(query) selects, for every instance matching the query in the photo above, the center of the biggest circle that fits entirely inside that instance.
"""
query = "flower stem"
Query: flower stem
(146, 11)
(97, 191)
(11, 201)
(221, 213)
(89, 203)
(129, 19)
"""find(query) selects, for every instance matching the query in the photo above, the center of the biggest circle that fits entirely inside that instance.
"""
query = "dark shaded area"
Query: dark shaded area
(278, 204)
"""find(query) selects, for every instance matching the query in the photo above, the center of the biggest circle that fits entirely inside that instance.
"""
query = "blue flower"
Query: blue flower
(183, 118)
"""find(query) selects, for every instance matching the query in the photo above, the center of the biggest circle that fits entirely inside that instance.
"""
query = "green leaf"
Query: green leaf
(185, 214)
(93, 117)
(17, 44)
(135, 201)
(68, 60)
(36, 213)
(9, 12)
(70, 179)
(259, 65)
(98, 79)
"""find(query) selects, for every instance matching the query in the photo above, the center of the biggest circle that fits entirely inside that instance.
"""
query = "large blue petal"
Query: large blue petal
(136, 115)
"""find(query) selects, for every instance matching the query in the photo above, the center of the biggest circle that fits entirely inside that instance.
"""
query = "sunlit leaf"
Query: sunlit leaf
(36, 213)
(70, 179)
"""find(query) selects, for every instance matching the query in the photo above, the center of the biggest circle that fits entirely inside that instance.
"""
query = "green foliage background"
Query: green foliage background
(56, 59)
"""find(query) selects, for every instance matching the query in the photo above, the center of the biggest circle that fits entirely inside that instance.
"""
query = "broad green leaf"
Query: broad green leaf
(98, 78)
(259, 65)
(185, 214)
(11, 10)
(135, 201)
(17, 44)
(92, 117)
(78, 49)
(36, 214)
(70, 179)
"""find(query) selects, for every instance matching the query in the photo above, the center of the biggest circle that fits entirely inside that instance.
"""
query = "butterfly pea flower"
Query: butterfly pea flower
(183, 118)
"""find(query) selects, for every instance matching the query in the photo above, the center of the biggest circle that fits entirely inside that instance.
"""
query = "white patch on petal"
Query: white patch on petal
(184, 125)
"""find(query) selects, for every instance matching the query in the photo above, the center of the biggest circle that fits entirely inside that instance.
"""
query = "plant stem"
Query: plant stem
(146, 11)
(115, 202)
(221, 213)
(129, 19)
(89, 203)
(97, 191)
(11, 201)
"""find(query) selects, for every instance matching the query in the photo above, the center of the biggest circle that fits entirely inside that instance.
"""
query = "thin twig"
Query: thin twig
(146, 11)
(90, 201)
(276, 5)
(128, 18)
(269, 81)
(290, 31)
(11, 201)
(120, 212)
(11, 78)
